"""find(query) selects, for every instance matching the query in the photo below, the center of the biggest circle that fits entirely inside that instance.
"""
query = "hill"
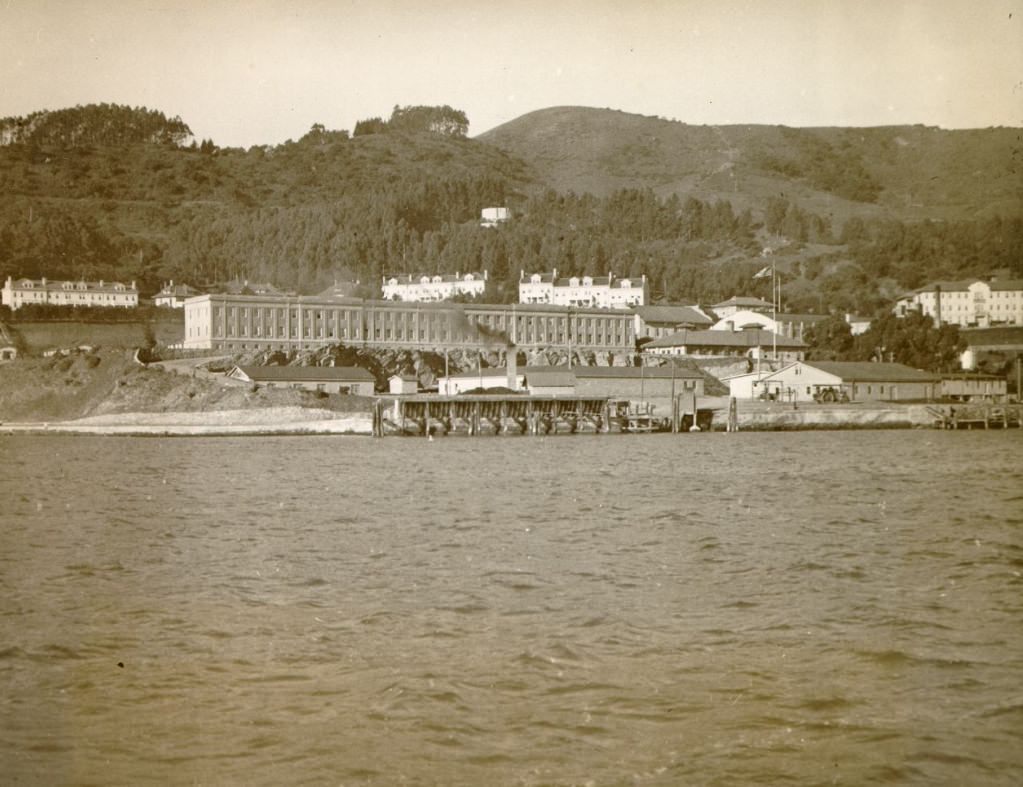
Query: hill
(95, 192)
(904, 172)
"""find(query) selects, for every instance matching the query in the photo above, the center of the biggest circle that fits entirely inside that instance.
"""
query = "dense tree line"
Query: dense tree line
(94, 124)
(912, 340)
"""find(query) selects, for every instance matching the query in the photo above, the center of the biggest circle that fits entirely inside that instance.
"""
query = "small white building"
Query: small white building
(595, 292)
(173, 296)
(553, 381)
(471, 379)
(784, 324)
(857, 325)
(437, 287)
(25, 292)
(491, 217)
(403, 383)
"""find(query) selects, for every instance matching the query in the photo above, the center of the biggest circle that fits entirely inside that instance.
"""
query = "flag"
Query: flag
(763, 273)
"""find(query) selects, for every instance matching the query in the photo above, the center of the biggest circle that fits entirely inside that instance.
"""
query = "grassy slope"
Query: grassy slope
(109, 381)
(40, 336)
(923, 171)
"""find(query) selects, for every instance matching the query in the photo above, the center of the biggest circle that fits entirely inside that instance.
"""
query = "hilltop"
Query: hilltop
(905, 172)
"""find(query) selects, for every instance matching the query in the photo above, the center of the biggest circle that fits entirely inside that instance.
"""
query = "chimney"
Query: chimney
(133, 284)
(511, 355)
(937, 305)
(101, 282)
(44, 281)
(730, 325)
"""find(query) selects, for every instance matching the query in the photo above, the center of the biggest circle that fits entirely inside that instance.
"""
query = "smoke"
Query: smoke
(467, 329)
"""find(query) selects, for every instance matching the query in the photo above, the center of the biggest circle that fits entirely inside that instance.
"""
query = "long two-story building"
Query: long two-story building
(602, 292)
(238, 322)
(24, 292)
(970, 303)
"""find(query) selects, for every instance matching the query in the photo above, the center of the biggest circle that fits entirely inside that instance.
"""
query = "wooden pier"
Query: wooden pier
(505, 414)
(977, 416)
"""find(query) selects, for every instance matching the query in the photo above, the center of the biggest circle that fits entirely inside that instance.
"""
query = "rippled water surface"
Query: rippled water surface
(801, 608)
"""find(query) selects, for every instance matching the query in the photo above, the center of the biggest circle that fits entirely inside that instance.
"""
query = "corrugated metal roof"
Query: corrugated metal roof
(866, 371)
(674, 315)
(637, 372)
(551, 378)
(353, 374)
(710, 338)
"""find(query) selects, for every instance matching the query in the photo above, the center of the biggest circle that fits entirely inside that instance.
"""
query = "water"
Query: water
(797, 608)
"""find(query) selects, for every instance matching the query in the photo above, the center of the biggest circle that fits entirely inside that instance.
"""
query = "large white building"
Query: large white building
(971, 303)
(437, 287)
(593, 292)
(793, 326)
(24, 292)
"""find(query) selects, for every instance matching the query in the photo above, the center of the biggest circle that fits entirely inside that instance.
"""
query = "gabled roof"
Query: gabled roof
(865, 371)
(673, 315)
(178, 291)
(445, 278)
(408, 378)
(711, 338)
(742, 300)
(352, 374)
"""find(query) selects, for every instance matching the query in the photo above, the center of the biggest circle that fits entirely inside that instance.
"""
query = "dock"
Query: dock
(507, 414)
(977, 416)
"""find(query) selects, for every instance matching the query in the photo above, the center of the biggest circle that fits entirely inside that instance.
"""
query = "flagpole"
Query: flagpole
(774, 305)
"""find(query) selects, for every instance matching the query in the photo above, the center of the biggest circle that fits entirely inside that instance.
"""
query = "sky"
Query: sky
(248, 73)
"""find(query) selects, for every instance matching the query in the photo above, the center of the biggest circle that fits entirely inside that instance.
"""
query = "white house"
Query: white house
(970, 303)
(403, 383)
(437, 287)
(24, 292)
(173, 296)
(857, 325)
(784, 324)
(600, 292)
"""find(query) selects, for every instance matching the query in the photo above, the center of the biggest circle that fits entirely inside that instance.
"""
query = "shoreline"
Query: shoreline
(231, 423)
(284, 421)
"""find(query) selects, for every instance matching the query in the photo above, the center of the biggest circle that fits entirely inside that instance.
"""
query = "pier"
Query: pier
(505, 414)
(977, 416)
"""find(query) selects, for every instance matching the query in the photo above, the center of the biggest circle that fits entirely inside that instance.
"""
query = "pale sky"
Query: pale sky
(261, 72)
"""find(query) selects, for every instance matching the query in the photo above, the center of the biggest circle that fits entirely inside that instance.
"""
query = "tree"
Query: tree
(830, 340)
(912, 340)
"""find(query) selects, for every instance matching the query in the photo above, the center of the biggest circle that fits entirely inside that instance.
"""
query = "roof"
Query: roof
(255, 287)
(675, 315)
(741, 300)
(339, 289)
(866, 371)
(595, 281)
(178, 291)
(469, 310)
(711, 338)
(637, 372)
(961, 285)
(993, 337)
(551, 378)
(353, 374)
(90, 286)
(408, 378)
(448, 278)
